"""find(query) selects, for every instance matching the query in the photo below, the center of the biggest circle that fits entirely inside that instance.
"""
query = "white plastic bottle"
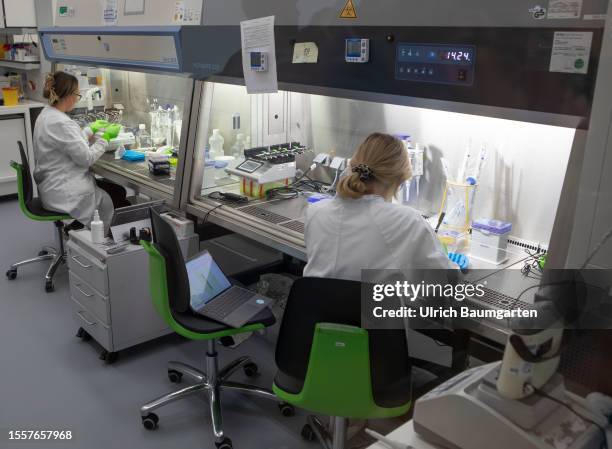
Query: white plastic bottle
(239, 146)
(216, 142)
(97, 228)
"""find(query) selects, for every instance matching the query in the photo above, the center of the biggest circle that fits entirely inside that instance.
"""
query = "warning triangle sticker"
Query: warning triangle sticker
(348, 12)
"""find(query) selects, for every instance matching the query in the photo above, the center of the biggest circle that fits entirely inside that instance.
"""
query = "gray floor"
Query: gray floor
(49, 379)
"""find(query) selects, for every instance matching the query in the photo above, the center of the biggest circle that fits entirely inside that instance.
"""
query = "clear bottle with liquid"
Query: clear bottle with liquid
(216, 142)
(239, 146)
(143, 139)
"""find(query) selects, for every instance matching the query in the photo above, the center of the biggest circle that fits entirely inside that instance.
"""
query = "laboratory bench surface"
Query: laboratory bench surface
(21, 108)
(136, 175)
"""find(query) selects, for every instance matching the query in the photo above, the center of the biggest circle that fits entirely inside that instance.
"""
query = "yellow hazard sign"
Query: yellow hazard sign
(348, 12)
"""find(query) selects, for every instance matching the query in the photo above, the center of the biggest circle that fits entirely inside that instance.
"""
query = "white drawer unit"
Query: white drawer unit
(88, 268)
(94, 327)
(86, 295)
(111, 293)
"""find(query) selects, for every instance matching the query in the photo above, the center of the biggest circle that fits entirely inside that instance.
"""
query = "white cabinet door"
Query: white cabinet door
(19, 13)
(12, 129)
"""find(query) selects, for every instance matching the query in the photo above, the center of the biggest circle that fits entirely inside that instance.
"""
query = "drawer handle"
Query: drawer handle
(80, 263)
(89, 323)
(78, 287)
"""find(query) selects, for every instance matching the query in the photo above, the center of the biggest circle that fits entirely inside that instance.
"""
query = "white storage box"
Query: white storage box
(490, 240)
(182, 226)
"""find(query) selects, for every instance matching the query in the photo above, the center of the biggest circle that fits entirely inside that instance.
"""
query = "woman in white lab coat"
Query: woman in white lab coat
(63, 158)
(361, 228)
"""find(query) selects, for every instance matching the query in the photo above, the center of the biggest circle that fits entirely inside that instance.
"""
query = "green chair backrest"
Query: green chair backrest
(21, 195)
(338, 380)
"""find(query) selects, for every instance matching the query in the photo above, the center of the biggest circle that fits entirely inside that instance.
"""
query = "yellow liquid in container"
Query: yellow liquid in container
(11, 96)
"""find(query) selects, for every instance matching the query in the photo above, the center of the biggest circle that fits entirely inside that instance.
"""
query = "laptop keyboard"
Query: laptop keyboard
(226, 303)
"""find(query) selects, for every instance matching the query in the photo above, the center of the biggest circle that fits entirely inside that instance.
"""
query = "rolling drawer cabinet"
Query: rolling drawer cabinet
(110, 295)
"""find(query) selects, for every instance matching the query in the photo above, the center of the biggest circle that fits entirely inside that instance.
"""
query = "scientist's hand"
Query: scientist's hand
(97, 136)
(88, 134)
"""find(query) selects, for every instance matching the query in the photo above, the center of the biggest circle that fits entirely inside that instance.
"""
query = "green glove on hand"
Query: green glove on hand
(110, 130)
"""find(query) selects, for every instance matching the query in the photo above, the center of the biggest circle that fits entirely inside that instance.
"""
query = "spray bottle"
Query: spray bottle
(97, 228)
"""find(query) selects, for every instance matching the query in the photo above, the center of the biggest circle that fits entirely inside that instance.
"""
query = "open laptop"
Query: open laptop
(213, 295)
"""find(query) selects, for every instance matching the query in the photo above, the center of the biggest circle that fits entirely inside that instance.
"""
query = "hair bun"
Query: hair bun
(50, 89)
(365, 172)
(49, 80)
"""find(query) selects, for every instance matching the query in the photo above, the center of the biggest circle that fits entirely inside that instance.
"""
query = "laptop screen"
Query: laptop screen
(206, 280)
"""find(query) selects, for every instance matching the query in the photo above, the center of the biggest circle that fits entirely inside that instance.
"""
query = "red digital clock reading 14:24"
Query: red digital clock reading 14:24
(459, 56)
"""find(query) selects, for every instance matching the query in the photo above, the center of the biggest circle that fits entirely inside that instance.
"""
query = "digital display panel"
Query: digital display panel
(455, 55)
(442, 64)
(353, 48)
(249, 166)
(255, 59)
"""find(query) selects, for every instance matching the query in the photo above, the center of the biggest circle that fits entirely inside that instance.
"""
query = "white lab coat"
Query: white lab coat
(344, 236)
(62, 171)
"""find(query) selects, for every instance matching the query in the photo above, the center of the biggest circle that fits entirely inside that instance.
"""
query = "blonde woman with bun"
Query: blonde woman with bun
(361, 228)
(64, 155)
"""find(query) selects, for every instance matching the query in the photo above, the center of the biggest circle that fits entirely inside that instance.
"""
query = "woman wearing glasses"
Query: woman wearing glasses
(64, 154)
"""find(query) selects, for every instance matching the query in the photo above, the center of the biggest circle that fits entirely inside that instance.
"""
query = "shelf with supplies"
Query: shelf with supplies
(21, 65)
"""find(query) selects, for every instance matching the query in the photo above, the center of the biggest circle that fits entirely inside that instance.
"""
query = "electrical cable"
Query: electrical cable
(227, 197)
(571, 409)
(209, 212)
(293, 190)
(500, 270)
(220, 196)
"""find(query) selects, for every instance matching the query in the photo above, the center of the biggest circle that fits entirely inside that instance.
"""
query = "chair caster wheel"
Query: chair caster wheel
(225, 444)
(286, 410)
(83, 334)
(251, 369)
(174, 376)
(42, 253)
(49, 287)
(11, 274)
(150, 421)
(307, 433)
(109, 357)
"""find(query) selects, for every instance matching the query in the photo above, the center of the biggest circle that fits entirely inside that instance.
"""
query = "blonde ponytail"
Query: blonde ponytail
(380, 160)
(351, 186)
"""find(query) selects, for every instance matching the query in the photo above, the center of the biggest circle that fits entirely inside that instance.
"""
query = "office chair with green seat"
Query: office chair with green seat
(33, 209)
(329, 365)
(170, 292)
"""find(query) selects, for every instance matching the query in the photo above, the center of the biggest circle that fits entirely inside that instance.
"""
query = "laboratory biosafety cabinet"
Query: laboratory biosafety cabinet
(131, 76)
(512, 83)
